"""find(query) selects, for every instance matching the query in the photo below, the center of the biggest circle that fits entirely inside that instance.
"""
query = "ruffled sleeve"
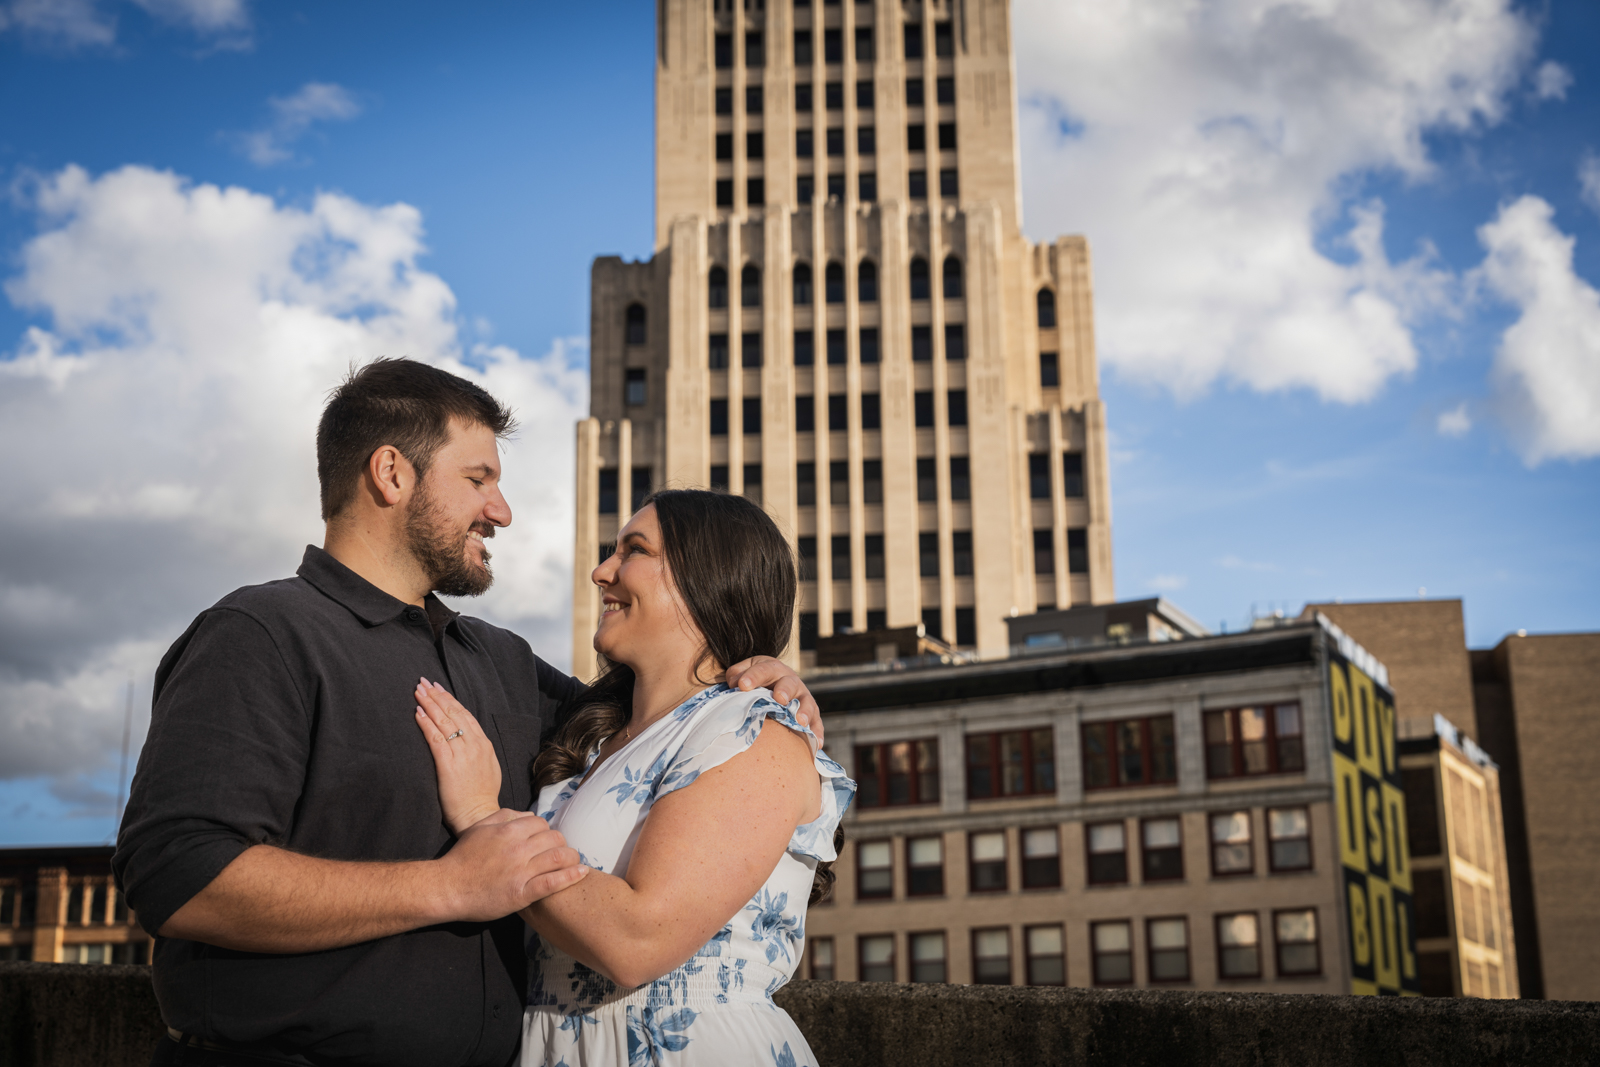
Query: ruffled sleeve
(727, 725)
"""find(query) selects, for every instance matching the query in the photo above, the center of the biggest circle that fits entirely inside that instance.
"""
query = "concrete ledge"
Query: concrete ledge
(65, 1015)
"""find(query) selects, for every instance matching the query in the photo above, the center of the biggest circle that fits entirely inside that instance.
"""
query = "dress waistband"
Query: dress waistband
(561, 984)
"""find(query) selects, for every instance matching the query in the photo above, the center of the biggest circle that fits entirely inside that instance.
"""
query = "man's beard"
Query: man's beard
(443, 553)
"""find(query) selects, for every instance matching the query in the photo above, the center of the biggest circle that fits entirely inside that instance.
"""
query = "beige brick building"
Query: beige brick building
(843, 321)
(61, 905)
(1214, 812)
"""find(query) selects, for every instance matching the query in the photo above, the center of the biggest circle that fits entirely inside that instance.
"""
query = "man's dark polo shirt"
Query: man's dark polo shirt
(284, 715)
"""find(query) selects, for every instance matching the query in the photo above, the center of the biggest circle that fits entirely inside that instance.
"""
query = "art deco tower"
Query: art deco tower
(843, 321)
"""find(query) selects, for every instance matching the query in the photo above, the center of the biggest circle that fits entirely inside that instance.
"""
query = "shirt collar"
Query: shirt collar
(366, 601)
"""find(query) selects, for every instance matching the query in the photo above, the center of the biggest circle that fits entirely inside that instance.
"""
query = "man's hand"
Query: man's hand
(759, 672)
(503, 864)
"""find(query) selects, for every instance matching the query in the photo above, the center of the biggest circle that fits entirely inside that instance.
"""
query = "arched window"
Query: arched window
(919, 279)
(1047, 309)
(833, 279)
(719, 288)
(867, 282)
(750, 286)
(636, 324)
(952, 278)
(802, 285)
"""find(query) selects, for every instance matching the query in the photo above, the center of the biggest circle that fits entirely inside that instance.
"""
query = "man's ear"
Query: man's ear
(390, 476)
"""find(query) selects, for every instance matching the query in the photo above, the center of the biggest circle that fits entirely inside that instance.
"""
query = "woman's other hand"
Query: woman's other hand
(469, 770)
(764, 672)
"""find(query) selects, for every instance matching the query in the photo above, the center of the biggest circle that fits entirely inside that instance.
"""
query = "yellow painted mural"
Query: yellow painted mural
(1372, 833)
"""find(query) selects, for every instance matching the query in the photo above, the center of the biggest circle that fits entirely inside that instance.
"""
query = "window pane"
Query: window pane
(1044, 941)
(1097, 755)
(926, 850)
(1219, 745)
(1237, 930)
(822, 952)
(1161, 833)
(1112, 937)
(991, 944)
(1297, 925)
(1169, 933)
(1043, 744)
(927, 947)
(877, 950)
(1287, 822)
(1288, 723)
(1169, 965)
(1041, 842)
(1130, 753)
(875, 854)
(1253, 733)
(1163, 751)
(1012, 775)
(988, 847)
(1107, 837)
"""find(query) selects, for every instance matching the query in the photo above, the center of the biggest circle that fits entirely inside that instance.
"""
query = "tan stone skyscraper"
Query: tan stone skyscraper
(843, 321)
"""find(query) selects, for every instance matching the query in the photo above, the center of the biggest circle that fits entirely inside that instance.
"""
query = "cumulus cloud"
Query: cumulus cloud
(159, 429)
(1551, 81)
(292, 117)
(1589, 180)
(1455, 422)
(1547, 369)
(1209, 152)
(87, 23)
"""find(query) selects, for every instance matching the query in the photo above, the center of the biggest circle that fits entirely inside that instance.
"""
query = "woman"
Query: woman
(703, 813)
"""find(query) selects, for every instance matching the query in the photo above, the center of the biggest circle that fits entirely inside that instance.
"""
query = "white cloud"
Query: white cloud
(1455, 422)
(1209, 151)
(203, 16)
(1168, 583)
(1547, 370)
(63, 23)
(292, 116)
(159, 429)
(1551, 81)
(1589, 180)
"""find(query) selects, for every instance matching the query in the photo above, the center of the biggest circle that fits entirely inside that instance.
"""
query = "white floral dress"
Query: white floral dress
(717, 1008)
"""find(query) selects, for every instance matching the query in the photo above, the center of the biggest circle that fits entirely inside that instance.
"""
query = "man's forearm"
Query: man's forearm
(271, 900)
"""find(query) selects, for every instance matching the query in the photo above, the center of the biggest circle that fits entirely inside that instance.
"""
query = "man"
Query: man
(283, 838)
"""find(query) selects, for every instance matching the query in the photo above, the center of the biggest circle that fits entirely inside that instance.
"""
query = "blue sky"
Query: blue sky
(1275, 439)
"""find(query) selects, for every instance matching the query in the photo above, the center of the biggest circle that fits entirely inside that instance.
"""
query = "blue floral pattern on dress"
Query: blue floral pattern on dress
(717, 1006)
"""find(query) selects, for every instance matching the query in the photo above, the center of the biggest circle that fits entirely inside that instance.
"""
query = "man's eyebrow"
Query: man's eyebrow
(484, 469)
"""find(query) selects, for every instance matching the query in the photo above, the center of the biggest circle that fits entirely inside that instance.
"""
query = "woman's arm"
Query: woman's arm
(702, 854)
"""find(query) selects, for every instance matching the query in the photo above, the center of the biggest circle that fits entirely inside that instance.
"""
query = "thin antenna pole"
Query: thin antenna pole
(127, 736)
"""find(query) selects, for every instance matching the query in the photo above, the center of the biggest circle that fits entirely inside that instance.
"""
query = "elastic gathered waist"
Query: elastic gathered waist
(704, 983)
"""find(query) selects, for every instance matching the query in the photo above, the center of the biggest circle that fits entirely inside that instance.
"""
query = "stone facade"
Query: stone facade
(61, 905)
(843, 321)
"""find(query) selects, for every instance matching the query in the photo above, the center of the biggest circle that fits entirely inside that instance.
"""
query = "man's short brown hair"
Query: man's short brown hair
(397, 402)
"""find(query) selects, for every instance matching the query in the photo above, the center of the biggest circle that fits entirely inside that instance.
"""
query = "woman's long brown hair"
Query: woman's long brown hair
(736, 575)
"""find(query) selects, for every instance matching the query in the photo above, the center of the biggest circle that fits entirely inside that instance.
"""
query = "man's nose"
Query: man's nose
(497, 510)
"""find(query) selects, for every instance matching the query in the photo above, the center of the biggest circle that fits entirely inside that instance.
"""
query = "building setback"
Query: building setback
(843, 321)
(1209, 812)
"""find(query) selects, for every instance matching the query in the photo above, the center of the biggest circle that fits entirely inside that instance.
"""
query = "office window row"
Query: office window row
(1237, 937)
(870, 407)
(834, 94)
(1071, 476)
(987, 859)
(1231, 846)
(837, 353)
(951, 282)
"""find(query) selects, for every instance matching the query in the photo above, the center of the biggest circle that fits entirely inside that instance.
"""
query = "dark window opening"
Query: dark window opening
(750, 286)
(863, 44)
(914, 92)
(869, 344)
(837, 350)
(806, 549)
(919, 279)
(961, 557)
(867, 188)
(932, 618)
(913, 35)
(838, 411)
(947, 136)
(755, 191)
(608, 491)
(871, 413)
(916, 137)
(955, 341)
(805, 480)
(1129, 752)
(1049, 370)
(952, 278)
(927, 476)
(949, 183)
(724, 146)
(839, 552)
(1422, 813)
(966, 627)
(832, 46)
(1044, 552)
(802, 47)
(864, 95)
(917, 185)
(719, 418)
(922, 409)
(839, 495)
(719, 478)
(833, 96)
(636, 324)
(724, 100)
(928, 566)
(945, 90)
(872, 544)
(836, 142)
(867, 282)
(803, 145)
(635, 393)
(922, 345)
(722, 49)
(1072, 474)
(805, 348)
(833, 280)
(944, 42)
(717, 352)
(1038, 476)
(1018, 763)
(836, 187)
(752, 480)
(802, 285)
(802, 96)
(717, 288)
(906, 772)
(753, 100)
(750, 413)
(960, 479)
(866, 140)
(1047, 309)
(1078, 551)
(641, 487)
(755, 145)
(956, 407)
(755, 49)
(724, 192)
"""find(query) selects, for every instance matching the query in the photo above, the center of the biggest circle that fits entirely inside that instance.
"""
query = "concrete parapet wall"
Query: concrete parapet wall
(77, 1016)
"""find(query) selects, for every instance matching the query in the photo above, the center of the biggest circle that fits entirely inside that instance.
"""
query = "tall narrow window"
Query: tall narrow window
(966, 624)
(835, 137)
(1294, 934)
(839, 496)
(960, 479)
(634, 391)
(636, 324)
(806, 549)
(914, 92)
(927, 479)
(724, 101)
(950, 183)
(869, 344)
(833, 281)
(717, 352)
(1038, 476)
(840, 554)
(866, 141)
(961, 556)
(864, 95)
(927, 957)
(836, 187)
(755, 145)
(1231, 851)
(1047, 955)
(802, 48)
(717, 288)
(755, 192)
(917, 184)
(641, 487)
(867, 282)
(802, 96)
(916, 136)
(955, 341)
(925, 866)
(863, 44)
(1112, 943)
(1238, 946)
(872, 479)
(832, 46)
(1163, 849)
(874, 870)
(1108, 853)
(913, 40)
(991, 956)
(722, 50)
(805, 189)
(838, 411)
(755, 49)
(805, 413)
(1289, 839)
(837, 352)
(956, 407)
(750, 409)
(867, 187)
(928, 557)
(1072, 474)
(753, 99)
(719, 478)
(750, 286)
(1044, 552)
(952, 278)
(919, 279)
(752, 478)
(750, 349)
(1077, 551)
(906, 772)
(608, 491)
(805, 348)
(1047, 309)
(805, 476)
(724, 192)
(931, 616)
(802, 284)
(877, 951)
(804, 147)
(719, 418)
(945, 90)
(1049, 370)
(947, 136)
(872, 548)
(986, 871)
(922, 409)
(821, 949)
(943, 40)
(1168, 941)
(833, 96)
(1041, 858)
(724, 146)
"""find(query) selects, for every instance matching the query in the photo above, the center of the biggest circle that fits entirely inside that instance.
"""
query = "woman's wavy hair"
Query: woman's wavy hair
(736, 574)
